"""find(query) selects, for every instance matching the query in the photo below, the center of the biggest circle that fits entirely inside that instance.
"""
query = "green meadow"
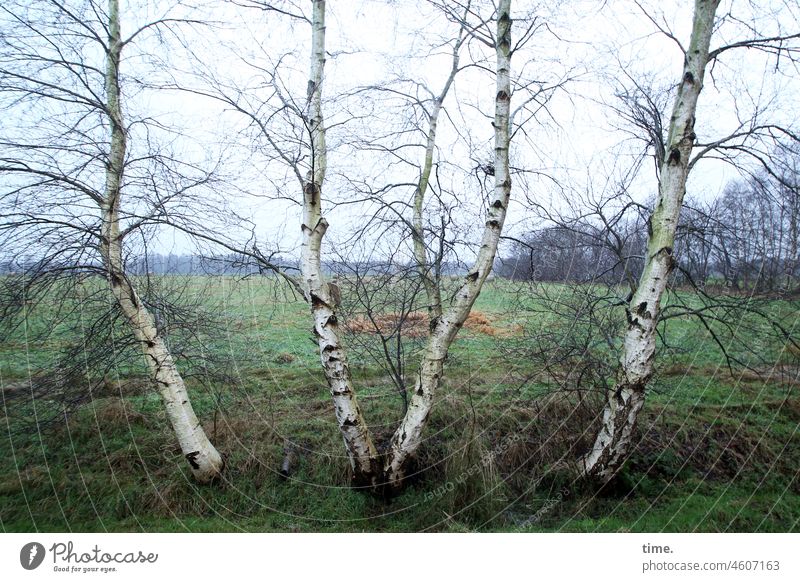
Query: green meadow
(717, 444)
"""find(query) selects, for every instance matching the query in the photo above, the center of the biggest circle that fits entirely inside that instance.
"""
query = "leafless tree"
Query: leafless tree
(369, 468)
(681, 150)
(86, 174)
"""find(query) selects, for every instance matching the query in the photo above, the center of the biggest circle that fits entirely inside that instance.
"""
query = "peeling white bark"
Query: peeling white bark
(357, 439)
(407, 438)
(204, 460)
(613, 441)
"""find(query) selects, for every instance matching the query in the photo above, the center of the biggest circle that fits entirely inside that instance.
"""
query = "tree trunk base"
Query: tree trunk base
(206, 468)
(613, 443)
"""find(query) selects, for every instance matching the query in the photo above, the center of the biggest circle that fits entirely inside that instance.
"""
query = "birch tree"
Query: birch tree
(626, 399)
(357, 438)
(369, 468)
(407, 437)
(69, 169)
(288, 128)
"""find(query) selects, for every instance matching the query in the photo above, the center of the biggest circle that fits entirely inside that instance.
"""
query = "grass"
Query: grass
(716, 451)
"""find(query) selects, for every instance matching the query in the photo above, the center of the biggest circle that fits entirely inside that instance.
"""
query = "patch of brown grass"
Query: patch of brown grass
(285, 358)
(115, 411)
(250, 444)
(783, 373)
(415, 324)
(115, 387)
(674, 370)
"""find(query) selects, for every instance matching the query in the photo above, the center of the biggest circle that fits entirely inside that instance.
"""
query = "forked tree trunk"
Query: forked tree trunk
(357, 438)
(407, 437)
(625, 400)
(204, 460)
(368, 468)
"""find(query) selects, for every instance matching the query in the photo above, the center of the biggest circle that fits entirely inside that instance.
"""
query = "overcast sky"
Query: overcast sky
(594, 48)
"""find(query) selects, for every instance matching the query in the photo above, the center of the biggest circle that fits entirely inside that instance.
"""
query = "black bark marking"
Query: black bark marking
(688, 131)
(472, 276)
(674, 157)
(641, 309)
(434, 322)
(311, 192)
(497, 204)
(502, 96)
(161, 382)
(667, 252)
(317, 301)
(493, 223)
(632, 321)
(192, 458)
(688, 78)
(150, 344)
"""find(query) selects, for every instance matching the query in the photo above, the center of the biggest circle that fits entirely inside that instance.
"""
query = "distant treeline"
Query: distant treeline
(747, 238)
(225, 264)
(163, 264)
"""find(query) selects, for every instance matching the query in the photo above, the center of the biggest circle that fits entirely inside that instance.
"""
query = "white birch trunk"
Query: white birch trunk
(204, 460)
(624, 402)
(407, 438)
(357, 439)
(432, 286)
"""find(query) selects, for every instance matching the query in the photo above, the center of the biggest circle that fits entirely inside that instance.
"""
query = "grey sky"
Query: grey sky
(576, 141)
